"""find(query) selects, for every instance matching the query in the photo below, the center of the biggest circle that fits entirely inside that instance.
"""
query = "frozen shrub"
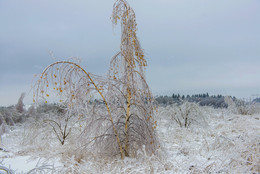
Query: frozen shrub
(186, 114)
(60, 124)
(255, 108)
(54, 117)
(20, 106)
(241, 107)
(8, 116)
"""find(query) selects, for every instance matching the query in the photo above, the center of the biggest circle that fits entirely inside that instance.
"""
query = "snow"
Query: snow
(228, 143)
(20, 163)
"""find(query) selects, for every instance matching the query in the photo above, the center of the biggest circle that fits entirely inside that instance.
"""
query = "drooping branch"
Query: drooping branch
(130, 45)
(71, 78)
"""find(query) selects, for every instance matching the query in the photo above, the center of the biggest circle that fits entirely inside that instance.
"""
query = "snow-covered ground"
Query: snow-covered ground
(226, 143)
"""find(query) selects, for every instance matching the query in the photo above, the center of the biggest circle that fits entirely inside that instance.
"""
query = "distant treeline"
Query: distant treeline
(256, 100)
(216, 101)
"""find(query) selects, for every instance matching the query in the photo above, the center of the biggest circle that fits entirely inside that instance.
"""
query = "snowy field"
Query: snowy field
(223, 143)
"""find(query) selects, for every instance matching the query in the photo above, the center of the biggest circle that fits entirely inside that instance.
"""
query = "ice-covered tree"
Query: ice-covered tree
(127, 123)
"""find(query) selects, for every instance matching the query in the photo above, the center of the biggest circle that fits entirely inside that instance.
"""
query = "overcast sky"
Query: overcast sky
(192, 46)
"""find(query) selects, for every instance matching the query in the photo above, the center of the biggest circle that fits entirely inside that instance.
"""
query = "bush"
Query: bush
(185, 114)
(241, 107)
(60, 124)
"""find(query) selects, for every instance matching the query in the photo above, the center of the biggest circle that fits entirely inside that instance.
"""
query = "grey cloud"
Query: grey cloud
(190, 45)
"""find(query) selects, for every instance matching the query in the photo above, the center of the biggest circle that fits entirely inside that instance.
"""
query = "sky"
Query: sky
(192, 46)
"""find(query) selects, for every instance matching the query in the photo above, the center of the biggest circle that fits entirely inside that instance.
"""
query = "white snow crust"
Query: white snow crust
(228, 143)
